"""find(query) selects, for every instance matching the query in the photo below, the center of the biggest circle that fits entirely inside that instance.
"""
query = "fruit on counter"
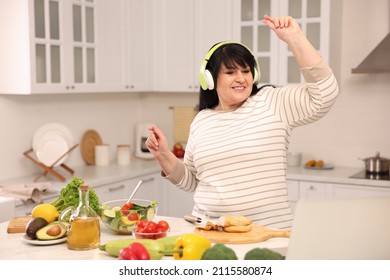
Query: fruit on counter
(46, 211)
(154, 247)
(263, 254)
(34, 225)
(135, 251)
(314, 163)
(52, 231)
(219, 251)
(69, 196)
(178, 150)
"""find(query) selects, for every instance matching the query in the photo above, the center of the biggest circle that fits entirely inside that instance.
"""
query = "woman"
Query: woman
(235, 159)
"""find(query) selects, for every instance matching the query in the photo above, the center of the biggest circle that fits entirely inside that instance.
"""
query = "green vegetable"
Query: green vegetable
(114, 247)
(219, 252)
(263, 254)
(69, 196)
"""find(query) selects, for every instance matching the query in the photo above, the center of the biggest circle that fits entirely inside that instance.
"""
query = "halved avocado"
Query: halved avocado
(34, 225)
(52, 231)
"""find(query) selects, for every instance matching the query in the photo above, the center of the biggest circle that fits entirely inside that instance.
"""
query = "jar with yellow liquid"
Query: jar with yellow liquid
(84, 224)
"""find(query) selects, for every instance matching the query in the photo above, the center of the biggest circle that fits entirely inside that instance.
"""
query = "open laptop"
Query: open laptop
(341, 229)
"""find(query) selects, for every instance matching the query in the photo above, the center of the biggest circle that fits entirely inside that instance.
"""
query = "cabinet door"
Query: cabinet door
(312, 190)
(173, 45)
(139, 44)
(179, 202)
(111, 191)
(277, 64)
(351, 191)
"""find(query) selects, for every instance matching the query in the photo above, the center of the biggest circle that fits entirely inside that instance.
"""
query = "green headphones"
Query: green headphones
(206, 78)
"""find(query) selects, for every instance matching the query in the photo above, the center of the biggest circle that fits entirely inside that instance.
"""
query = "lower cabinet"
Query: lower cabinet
(348, 191)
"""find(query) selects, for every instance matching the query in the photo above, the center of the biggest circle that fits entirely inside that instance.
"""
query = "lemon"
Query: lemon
(45, 210)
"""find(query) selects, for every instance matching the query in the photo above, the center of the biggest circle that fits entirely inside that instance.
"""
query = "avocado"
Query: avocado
(34, 225)
(51, 231)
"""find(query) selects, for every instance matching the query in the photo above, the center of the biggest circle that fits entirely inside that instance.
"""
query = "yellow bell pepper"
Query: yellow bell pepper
(190, 247)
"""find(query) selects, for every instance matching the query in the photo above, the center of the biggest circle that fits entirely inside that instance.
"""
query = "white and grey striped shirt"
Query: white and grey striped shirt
(235, 161)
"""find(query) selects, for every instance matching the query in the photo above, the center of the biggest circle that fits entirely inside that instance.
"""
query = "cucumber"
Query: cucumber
(109, 213)
(113, 247)
(150, 213)
(169, 243)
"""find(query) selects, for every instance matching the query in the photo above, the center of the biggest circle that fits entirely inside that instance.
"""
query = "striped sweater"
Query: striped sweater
(235, 161)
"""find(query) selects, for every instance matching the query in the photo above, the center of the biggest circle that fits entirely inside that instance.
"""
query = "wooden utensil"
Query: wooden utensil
(257, 234)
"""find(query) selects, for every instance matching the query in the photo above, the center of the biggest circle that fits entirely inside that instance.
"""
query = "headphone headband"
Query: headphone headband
(206, 78)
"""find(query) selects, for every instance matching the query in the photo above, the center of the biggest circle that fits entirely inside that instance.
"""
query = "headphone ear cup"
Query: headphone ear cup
(256, 76)
(209, 79)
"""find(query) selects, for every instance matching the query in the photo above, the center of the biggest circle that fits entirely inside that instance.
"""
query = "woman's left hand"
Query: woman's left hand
(284, 27)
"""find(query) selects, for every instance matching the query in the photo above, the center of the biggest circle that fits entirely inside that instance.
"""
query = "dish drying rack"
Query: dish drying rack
(50, 169)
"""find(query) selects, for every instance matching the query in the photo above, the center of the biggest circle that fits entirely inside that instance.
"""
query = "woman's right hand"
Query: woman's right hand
(157, 143)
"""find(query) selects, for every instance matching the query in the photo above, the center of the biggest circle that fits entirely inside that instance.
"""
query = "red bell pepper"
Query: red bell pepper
(135, 251)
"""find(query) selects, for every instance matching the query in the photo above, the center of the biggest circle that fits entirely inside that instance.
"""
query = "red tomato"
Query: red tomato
(133, 217)
(150, 227)
(141, 224)
(163, 225)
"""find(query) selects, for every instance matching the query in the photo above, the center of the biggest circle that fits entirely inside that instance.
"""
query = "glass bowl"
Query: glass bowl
(123, 221)
(144, 235)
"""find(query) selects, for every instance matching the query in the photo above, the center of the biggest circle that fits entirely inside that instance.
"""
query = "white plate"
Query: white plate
(28, 240)
(325, 167)
(50, 149)
(50, 142)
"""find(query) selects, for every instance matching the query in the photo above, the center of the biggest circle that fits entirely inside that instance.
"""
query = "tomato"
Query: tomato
(133, 217)
(163, 225)
(141, 224)
(150, 227)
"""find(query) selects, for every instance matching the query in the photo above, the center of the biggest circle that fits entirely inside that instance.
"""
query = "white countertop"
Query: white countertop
(14, 248)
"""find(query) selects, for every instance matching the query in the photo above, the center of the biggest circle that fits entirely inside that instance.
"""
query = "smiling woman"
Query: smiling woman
(235, 157)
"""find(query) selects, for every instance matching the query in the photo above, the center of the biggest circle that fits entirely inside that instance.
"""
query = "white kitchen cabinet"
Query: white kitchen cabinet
(138, 45)
(351, 191)
(60, 46)
(312, 190)
(184, 31)
(179, 202)
(277, 64)
(111, 191)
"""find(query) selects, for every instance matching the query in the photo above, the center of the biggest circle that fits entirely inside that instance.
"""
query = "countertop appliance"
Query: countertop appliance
(371, 176)
(141, 134)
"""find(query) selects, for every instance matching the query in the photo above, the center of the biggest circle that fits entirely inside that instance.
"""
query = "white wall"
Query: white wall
(357, 126)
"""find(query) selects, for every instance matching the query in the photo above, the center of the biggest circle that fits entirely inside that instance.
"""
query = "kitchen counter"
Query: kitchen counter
(14, 248)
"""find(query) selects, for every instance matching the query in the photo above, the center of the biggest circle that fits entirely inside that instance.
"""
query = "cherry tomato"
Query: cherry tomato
(133, 217)
(141, 224)
(163, 225)
(150, 227)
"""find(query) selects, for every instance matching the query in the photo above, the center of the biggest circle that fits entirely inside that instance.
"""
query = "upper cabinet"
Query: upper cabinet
(53, 46)
(277, 63)
(183, 32)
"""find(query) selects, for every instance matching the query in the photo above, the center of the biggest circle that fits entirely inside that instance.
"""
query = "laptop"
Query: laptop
(341, 229)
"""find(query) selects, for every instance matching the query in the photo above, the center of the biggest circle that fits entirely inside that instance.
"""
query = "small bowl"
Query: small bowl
(144, 235)
(118, 220)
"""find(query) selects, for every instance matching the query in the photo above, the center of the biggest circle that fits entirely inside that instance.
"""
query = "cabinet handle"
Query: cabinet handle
(116, 188)
(312, 188)
(147, 180)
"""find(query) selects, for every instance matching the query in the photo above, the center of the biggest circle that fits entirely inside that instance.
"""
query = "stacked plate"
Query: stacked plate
(51, 142)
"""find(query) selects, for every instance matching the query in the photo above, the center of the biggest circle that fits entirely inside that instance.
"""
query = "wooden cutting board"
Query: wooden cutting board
(18, 224)
(257, 234)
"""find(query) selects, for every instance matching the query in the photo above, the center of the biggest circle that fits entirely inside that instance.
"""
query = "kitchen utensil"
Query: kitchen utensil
(135, 190)
(257, 234)
(377, 164)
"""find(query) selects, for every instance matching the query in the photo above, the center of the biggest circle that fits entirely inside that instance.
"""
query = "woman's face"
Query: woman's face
(234, 86)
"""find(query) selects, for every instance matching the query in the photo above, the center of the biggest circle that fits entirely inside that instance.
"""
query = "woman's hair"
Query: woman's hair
(230, 55)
